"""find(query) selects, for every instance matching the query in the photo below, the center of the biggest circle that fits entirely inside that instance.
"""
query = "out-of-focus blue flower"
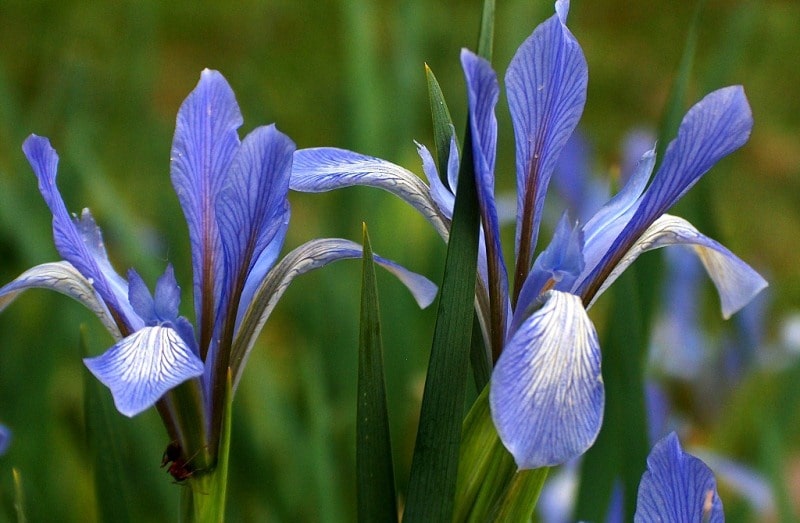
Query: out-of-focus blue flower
(234, 197)
(546, 391)
(5, 439)
(677, 487)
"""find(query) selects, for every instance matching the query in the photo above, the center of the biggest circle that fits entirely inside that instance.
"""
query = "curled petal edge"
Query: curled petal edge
(311, 255)
(736, 282)
(327, 168)
(64, 278)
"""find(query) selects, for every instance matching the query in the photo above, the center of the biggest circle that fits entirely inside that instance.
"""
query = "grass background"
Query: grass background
(104, 82)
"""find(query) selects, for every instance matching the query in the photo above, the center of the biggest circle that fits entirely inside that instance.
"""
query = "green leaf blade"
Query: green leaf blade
(374, 466)
(435, 463)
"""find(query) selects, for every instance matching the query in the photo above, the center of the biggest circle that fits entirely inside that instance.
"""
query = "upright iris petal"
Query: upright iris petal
(482, 95)
(79, 241)
(677, 487)
(717, 125)
(546, 83)
(203, 148)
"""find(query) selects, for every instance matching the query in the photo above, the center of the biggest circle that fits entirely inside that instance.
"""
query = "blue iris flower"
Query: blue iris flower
(546, 392)
(234, 197)
(677, 487)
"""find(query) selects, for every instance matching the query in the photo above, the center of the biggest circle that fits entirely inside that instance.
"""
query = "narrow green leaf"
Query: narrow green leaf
(443, 129)
(204, 500)
(19, 496)
(486, 37)
(103, 440)
(490, 488)
(374, 468)
(521, 496)
(485, 466)
(435, 463)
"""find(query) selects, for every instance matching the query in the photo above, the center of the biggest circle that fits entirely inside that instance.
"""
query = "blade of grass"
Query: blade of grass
(434, 466)
(374, 467)
(443, 131)
(435, 462)
(103, 439)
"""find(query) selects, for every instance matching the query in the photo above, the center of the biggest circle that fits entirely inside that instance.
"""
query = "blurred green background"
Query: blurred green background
(104, 82)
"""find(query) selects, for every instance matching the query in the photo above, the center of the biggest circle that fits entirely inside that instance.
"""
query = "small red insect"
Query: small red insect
(179, 468)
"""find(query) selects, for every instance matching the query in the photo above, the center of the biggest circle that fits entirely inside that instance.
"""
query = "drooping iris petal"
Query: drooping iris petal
(546, 391)
(307, 257)
(736, 282)
(327, 168)
(546, 83)
(79, 241)
(64, 278)
(203, 148)
(717, 125)
(139, 369)
(677, 487)
(5, 439)
(252, 205)
(482, 93)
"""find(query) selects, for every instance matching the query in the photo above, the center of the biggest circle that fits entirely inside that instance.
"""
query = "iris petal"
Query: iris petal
(139, 369)
(546, 391)
(482, 92)
(677, 487)
(64, 278)
(307, 257)
(140, 298)
(546, 83)
(262, 265)
(736, 282)
(167, 297)
(443, 196)
(203, 148)
(251, 207)
(327, 168)
(717, 125)
(79, 241)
